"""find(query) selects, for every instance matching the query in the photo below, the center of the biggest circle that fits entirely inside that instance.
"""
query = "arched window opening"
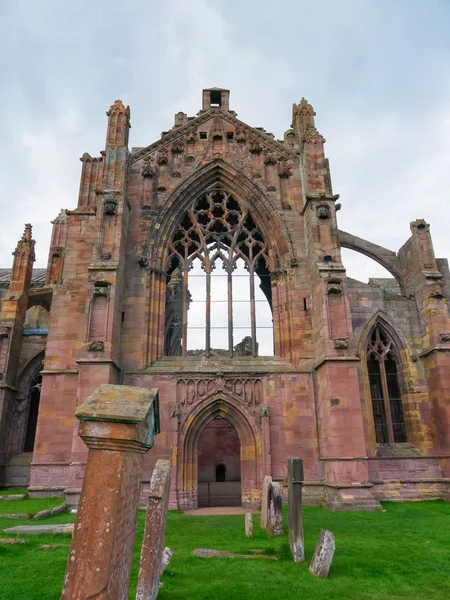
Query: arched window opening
(218, 289)
(387, 407)
(220, 473)
(35, 395)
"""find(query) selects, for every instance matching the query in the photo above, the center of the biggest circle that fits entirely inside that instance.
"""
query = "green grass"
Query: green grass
(399, 554)
(12, 491)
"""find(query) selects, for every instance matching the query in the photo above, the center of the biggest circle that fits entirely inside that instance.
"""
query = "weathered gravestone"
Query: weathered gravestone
(265, 500)
(166, 558)
(323, 554)
(248, 524)
(155, 526)
(274, 514)
(295, 483)
(118, 424)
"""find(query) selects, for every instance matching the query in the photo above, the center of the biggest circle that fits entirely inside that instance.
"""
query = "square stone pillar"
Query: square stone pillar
(118, 424)
(295, 484)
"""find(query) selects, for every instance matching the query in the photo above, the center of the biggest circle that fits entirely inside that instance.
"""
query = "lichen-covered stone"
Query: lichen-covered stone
(151, 564)
(248, 524)
(323, 554)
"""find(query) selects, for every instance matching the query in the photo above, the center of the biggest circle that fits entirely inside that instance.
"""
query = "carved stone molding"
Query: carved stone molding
(265, 410)
(110, 206)
(341, 343)
(255, 148)
(323, 211)
(147, 169)
(284, 170)
(334, 286)
(177, 147)
(192, 390)
(101, 289)
(96, 346)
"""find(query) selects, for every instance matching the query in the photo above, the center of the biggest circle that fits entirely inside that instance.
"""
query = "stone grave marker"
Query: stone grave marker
(248, 524)
(274, 517)
(265, 500)
(118, 424)
(323, 554)
(295, 483)
(155, 526)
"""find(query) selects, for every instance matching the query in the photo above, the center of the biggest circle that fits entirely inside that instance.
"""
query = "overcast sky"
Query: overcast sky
(377, 73)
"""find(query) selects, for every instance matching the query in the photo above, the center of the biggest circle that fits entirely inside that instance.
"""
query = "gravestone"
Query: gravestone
(295, 483)
(248, 524)
(323, 554)
(265, 501)
(274, 516)
(118, 425)
(155, 526)
(166, 558)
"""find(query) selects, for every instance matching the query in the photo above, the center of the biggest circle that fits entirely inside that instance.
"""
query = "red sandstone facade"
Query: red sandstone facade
(359, 383)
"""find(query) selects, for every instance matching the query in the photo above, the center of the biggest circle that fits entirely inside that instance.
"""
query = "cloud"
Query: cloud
(376, 73)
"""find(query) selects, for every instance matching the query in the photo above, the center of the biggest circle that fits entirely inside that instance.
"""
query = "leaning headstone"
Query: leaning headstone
(265, 500)
(295, 483)
(323, 554)
(275, 517)
(155, 527)
(248, 524)
(118, 425)
(166, 557)
(51, 512)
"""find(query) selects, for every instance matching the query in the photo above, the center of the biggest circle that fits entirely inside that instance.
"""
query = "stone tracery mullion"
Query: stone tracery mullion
(216, 227)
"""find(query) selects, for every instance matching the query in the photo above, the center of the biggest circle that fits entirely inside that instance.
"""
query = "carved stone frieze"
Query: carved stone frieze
(192, 390)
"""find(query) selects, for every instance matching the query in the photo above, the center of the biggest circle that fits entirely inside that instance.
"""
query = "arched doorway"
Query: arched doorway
(219, 465)
(219, 407)
(33, 411)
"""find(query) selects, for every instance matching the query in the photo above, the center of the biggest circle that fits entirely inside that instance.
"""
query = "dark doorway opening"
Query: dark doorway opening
(219, 465)
(35, 396)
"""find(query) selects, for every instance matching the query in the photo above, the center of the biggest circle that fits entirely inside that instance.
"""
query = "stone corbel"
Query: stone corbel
(101, 288)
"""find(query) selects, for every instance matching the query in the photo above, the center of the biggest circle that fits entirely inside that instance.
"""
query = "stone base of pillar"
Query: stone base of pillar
(353, 497)
(72, 496)
(46, 491)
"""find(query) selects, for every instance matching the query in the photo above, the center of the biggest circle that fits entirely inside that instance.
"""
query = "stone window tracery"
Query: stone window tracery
(390, 427)
(213, 304)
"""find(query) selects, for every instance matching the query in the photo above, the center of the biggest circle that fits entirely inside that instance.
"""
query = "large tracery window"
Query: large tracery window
(217, 258)
(387, 407)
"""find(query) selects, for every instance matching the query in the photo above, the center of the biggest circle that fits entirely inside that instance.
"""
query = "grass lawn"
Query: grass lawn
(402, 553)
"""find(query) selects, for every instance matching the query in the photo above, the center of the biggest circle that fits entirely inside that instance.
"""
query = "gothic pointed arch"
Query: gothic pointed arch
(384, 363)
(226, 407)
(391, 328)
(219, 174)
(217, 216)
(26, 407)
